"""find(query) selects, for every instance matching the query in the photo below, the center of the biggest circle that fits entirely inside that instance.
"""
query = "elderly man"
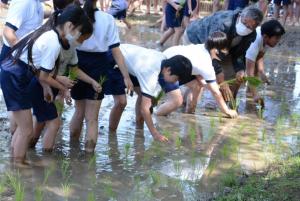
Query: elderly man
(240, 29)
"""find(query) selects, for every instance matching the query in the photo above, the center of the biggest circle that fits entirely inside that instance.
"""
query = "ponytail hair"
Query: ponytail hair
(72, 13)
(89, 9)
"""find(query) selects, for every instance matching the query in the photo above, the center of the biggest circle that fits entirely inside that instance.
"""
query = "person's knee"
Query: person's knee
(121, 103)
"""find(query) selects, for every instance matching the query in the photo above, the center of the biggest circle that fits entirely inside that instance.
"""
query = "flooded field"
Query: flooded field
(203, 151)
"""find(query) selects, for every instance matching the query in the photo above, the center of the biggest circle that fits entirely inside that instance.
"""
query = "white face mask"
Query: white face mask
(72, 39)
(241, 29)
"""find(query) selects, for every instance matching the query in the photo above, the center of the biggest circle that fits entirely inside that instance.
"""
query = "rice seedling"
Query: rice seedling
(192, 136)
(155, 177)
(108, 191)
(92, 162)
(177, 167)
(137, 182)
(59, 106)
(211, 166)
(16, 184)
(66, 190)
(252, 81)
(2, 186)
(264, 132)
(295, 119)
(73, 74)
(47, 173)
(91, 196)
(38, 193)
(178, 142)
(126, 149)
(166, 133)
(65, 169)
(101, 81)
(220, 117)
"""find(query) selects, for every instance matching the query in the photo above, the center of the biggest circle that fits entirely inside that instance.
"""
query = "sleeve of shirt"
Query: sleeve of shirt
(238, 63)
(113, 35)
(252, 51)
(17, 13)
(49, 51)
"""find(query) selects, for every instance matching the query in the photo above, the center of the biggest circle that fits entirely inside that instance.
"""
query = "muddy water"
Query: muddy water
(129, 165)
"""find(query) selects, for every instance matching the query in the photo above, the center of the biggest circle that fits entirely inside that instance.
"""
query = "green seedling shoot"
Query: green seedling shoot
(66, 189)
(92, 162)
(101, 81)
(65, 166)
(73, 74)
(127, 148)
(59, 106)
(178, 142)
(91, 197)
(193, 136)
(16, 184)
(38, 193)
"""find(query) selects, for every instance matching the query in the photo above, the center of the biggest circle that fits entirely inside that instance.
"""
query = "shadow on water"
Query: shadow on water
(129, 165)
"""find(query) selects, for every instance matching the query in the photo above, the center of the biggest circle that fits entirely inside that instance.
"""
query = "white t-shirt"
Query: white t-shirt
(44, 54)
(67, 58)
(105, 34)
(24, 16)
(145, 65)
(256, 46)
(199, 57)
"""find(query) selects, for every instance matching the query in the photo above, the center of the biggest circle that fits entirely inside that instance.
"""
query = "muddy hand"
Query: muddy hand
(232, 114)
(48, 94)
(67, 82)
(226, 92)
(240, 76)
(160, 138)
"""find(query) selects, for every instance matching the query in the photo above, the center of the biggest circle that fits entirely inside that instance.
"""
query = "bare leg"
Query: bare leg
(12, 123)
(166, 35)
(23, 134)
(127, 23)
(177, 35)
(195, 90)
(174, 100)
(138, 115)
(92, 108)
(51, 133)
(77, 120)
(37, 130)
(116, 111)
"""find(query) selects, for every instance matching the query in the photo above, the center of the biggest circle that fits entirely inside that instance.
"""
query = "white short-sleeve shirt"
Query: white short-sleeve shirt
(199, 57)
(145, 65)
(44, 54)
(105, 34)
(256, 46)
(24, 16)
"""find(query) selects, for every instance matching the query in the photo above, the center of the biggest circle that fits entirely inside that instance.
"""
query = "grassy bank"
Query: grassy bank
(281, 182)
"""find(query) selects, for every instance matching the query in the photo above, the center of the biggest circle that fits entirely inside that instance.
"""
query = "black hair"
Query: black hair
(218, 40)
(272, 28)
(180, 66)
(61, 4)
(89, 9)
(71, 13)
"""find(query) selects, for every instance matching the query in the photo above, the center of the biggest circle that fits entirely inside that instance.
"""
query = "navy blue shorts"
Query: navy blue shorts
(42, 110)
(284, 2)
(4, 52)
(115, 83)
(186, 8)
(95, 65)
(171, 19)
(134, 81)
(15, 81)
(117, 13)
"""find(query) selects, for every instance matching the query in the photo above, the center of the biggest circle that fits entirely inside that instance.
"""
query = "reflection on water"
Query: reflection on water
(128, 165)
